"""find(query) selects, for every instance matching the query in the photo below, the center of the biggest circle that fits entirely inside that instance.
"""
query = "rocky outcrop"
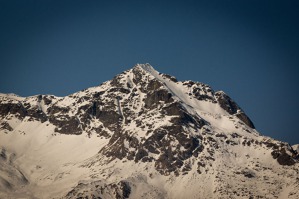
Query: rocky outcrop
(153, 98)
(100, 189)
(13, 108)
(285, 158)
(232, 108)
(5, 126)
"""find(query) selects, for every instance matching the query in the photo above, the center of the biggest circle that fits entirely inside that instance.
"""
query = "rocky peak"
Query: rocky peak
(146, 116)
(127, 136)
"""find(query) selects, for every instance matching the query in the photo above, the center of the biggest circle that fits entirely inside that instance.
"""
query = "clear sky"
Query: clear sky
(249, 49)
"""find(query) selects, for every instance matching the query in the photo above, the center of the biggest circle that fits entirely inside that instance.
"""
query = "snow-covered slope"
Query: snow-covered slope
(142, 134)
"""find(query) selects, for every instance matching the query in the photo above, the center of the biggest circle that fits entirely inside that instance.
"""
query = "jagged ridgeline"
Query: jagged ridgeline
(148, 119)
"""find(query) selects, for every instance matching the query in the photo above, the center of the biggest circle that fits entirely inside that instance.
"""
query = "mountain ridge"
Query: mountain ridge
(142, 132)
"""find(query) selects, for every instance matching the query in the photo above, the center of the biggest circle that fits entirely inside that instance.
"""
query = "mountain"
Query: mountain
(142, 134)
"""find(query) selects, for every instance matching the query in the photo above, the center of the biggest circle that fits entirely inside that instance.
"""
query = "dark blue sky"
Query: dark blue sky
(249, 49)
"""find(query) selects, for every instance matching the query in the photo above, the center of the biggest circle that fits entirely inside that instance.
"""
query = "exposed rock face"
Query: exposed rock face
(200, 91)
(153, 99)
(115, 105)
(159, 101)
(131, 98)
(5, 126)
(99, 189)
(283, 158)
(232, 108)
(159, 125)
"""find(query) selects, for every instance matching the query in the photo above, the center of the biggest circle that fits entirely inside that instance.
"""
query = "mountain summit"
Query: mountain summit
(142, 134)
